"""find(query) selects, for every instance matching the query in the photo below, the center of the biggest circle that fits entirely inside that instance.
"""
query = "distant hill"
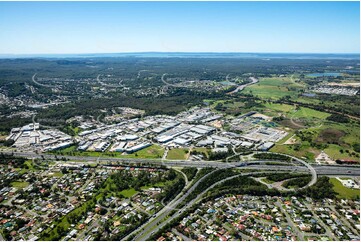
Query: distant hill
(194, 55)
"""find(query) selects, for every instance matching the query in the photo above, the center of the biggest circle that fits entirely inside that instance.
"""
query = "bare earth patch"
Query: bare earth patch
(293, 124)
(291, 141)
(324, 158)
(329, 135)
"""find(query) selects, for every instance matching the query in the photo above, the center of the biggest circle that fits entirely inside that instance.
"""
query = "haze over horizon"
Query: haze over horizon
(31, 28)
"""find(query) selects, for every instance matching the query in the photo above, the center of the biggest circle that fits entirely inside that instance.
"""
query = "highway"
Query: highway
(304, 163)
(38, 83)
(241, 87)
(145, 234)
(145, 231)
(319, 169)
(166, 83)
(159, 216)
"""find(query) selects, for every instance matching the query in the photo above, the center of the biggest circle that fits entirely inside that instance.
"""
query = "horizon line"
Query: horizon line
(186, 54)
(177, 52)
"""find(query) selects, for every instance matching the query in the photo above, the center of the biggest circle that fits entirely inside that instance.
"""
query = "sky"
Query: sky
(114, 27)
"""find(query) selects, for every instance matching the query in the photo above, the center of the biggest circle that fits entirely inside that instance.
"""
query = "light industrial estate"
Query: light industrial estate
(197, 127)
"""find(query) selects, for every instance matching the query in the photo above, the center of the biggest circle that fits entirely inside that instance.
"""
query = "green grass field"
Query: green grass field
(265, 180)
(128, 193)
(19, 184)
(57, 174)
(71, 148)
(334, 152)
(304, 99)
(204, 150)
(30, 167)
(158, 184)
(306, 151)
(344, 192)
(177, 154)
(338, 137)
(310, 113)
(274, 88)
(289, 135)
(352, 132)
(30, 164)
(284, 108)
(151, 152)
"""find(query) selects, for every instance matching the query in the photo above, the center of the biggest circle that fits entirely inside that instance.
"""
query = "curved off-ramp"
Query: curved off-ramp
(309, 167)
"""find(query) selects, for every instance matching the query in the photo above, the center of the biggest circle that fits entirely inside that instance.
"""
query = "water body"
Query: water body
(309, 94)
(332, 74)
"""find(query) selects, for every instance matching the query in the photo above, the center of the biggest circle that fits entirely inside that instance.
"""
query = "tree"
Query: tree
(9, 142)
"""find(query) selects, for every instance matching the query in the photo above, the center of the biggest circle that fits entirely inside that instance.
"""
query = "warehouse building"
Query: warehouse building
(138, 147)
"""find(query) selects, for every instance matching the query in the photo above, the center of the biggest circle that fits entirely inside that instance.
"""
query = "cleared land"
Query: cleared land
(151, 152)
(336, 139)
(310, 113)
(274, 88)
(344, 192)
(284, 108)
(177, 154)
(329, 135)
